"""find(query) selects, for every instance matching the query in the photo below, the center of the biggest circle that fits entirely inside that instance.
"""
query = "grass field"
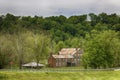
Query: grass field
(82, 75)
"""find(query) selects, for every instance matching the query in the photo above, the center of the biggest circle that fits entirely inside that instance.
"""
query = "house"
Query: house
(66, 57)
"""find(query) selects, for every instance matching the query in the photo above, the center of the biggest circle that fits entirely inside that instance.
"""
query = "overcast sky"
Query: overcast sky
(58, 7)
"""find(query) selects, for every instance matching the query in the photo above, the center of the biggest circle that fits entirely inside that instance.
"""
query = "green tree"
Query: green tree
(6, 50)
(59, 46)
(100, 27)
(116, 27)
(8, 21)
(1, 23)
(19, 44)
(94, 19)
(102, 51)
(39, 46)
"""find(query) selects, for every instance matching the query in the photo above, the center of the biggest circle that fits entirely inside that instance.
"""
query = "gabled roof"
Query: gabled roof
(70, 51)
(62, 56)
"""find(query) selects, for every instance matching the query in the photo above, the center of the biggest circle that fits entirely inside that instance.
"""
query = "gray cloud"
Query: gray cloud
(58, 7)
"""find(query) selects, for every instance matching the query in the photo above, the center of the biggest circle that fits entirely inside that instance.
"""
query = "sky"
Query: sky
(58, 7)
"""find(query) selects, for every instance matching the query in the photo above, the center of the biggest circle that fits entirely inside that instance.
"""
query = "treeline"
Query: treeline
(27, 38)
(61, 27)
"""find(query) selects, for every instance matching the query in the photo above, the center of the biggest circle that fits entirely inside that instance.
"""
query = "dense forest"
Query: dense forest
(25, 38)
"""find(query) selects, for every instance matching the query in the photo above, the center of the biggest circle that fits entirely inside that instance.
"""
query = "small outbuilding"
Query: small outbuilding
(33, 65)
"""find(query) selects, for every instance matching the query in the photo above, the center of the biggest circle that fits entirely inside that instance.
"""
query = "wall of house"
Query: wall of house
(77, 57)
(61, 62)
(51, 62)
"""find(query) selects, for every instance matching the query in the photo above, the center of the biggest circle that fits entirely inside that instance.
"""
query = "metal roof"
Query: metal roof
(66, 51)
(32, 64)
(62, 56)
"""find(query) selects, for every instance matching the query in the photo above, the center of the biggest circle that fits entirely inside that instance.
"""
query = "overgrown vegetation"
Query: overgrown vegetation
(25, 38)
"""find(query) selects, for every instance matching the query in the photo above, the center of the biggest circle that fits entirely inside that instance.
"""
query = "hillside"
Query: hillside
(24, 39)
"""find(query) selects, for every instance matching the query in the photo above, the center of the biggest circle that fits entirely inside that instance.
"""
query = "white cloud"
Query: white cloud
(57, 7)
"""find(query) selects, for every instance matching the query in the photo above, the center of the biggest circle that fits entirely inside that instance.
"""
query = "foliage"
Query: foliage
(102, 51)
(39, 46)
(6, 51)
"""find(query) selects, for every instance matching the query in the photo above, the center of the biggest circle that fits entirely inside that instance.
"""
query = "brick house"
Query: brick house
(66, 57)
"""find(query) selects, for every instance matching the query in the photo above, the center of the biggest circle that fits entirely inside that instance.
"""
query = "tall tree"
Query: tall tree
(94, 19)
(39, 47)
(6, 50)
(102, 51)
(19, 43)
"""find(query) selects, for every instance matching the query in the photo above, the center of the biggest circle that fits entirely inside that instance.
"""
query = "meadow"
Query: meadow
(41, 75)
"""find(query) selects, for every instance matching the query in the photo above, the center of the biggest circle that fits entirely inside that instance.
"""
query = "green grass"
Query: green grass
(82, 75)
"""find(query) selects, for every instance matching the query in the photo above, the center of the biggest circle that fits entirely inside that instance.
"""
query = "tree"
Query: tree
(73, 20)
(100, 27)
(39, 47)
(1, 23)
(8, 21)
(94, 19)
(6, 50)
(102, 51)
(48, 25)
(113, 19)
(69, 28)
(60, 35)
(82, 18)
(75, 42)
(77, 19)
(59, 46)
(62, 19)
(19, 43)
(59, 19)
(116, 27)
